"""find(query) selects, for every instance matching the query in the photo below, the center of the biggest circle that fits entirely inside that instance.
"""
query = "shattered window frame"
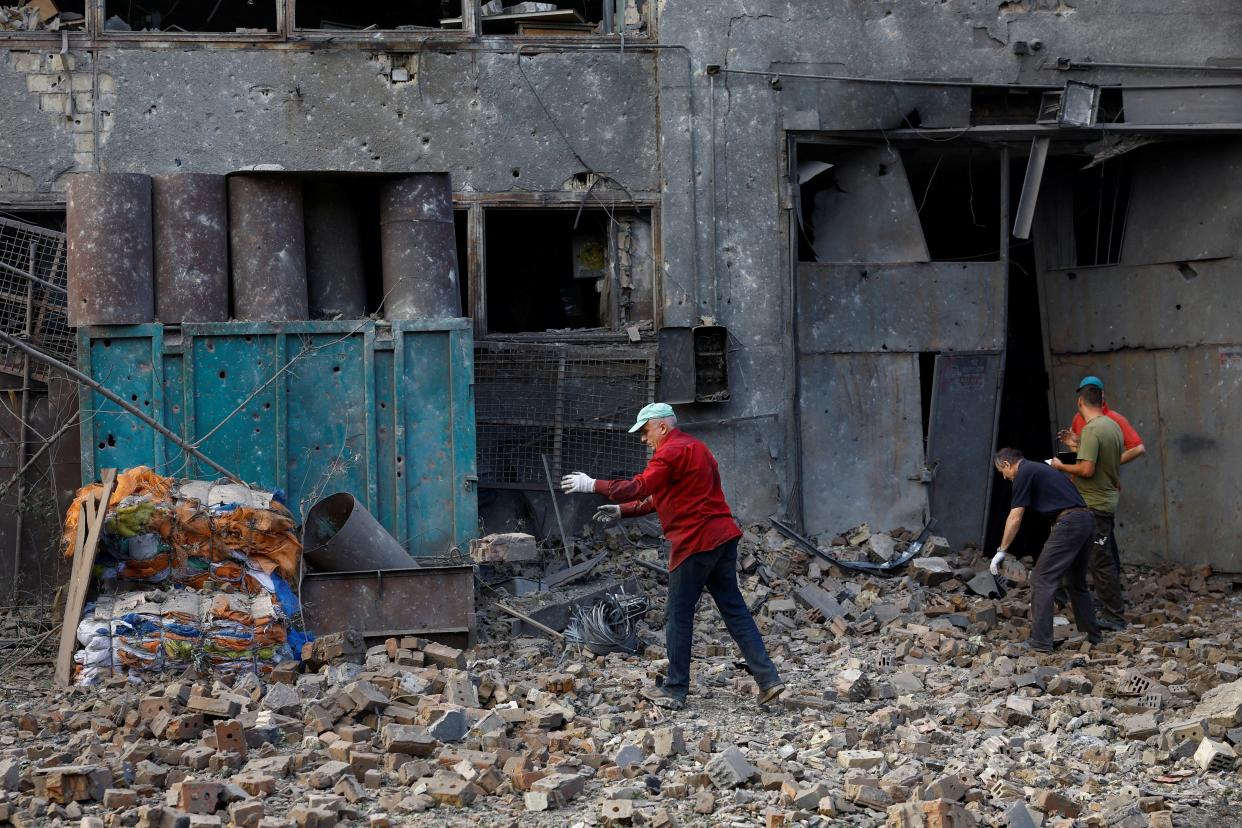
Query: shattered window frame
(474, 269)
(645, 33)
(99, 18)
(467, 31)
(87, 30)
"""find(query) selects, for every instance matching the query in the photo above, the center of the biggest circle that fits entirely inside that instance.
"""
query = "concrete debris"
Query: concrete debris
(909, 705)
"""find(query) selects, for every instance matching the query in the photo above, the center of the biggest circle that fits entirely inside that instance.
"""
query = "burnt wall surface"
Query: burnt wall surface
(741, 126)
(711, 146)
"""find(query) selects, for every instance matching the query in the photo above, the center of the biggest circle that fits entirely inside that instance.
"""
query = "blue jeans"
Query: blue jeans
(717, 571)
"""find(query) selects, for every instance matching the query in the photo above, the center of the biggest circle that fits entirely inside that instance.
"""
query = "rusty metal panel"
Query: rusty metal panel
(939, 306)
(1183, 205)
(862, 438)
(1210, 104)
(1201, 414)
(191, 248)
(959, 443)
(1130, 385)
(1157, 306)
(267, 246)
(867, 214)
(111, 279)
(419, 248)
(336, 281)
(431, 601)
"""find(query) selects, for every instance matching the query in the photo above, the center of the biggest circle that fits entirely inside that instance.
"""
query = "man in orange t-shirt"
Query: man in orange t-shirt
(1112, 609)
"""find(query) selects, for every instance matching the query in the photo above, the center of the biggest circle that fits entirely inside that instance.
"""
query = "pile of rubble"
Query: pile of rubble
(909, 706)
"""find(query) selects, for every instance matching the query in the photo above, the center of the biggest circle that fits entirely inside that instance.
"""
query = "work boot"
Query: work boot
(770, 694)
(663, 698)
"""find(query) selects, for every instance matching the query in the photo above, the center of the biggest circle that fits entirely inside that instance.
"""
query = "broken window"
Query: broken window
(174, 16)
(957, 198)
(336, 16)
(888, 204)
(564, 268)
(1101, 200)
(564, 17)
(42, 16)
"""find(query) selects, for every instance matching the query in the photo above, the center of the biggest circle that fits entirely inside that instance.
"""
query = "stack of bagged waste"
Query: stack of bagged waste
(192, 573)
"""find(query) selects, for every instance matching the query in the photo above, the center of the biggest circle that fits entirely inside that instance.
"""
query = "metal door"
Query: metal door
(965, 395)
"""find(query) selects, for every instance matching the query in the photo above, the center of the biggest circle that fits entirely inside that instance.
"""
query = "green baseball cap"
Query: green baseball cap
(1091, 380)
(654, 411)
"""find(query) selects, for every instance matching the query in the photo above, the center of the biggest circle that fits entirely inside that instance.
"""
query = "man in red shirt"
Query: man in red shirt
(1132, 443)
(682, 485)
(1112, 609)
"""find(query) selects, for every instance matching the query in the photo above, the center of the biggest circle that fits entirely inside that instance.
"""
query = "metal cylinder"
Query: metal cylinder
(335, 280)
(419, 248)
(109, 229)
(191, 248)
(267, 246)
(340, 535)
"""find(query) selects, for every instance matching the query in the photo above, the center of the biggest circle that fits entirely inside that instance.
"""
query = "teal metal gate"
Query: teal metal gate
(382, 411)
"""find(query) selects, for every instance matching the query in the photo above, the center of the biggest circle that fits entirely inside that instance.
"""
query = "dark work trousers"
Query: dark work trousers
(1066, 553)
(717, 572)
(1105, 567)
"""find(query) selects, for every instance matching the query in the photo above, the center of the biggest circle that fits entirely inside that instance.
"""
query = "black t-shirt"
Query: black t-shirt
(1041, 488)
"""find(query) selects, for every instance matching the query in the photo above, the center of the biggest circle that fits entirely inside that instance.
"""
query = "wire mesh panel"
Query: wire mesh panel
(536, 400)
(21, 246)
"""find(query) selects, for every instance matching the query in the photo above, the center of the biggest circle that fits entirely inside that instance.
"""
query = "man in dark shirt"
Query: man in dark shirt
(1067, 551)
(682, 485)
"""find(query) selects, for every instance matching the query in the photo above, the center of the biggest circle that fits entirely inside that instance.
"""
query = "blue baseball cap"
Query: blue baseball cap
(1091, 380)
(654, 411)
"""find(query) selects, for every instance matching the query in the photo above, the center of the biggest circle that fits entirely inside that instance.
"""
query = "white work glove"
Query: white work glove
(577, 483)
(608, 513)
(997, 560)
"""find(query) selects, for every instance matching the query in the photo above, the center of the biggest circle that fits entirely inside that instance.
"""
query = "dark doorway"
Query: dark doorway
(1023, 422)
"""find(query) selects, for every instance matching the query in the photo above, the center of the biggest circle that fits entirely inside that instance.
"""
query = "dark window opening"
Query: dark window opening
(172, 16)
(992, 105)
(1101, 203)
(999, 105)
(42, 16)
(461, 228)
(957, 197)
(543, 273)
(813, 175)
(406, 16)
(563, 17)
(878, 203)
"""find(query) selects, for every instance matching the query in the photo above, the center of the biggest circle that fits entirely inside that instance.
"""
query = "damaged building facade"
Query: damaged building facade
(795, 219)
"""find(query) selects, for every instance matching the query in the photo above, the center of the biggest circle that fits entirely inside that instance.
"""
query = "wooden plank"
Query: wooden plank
(79, 580)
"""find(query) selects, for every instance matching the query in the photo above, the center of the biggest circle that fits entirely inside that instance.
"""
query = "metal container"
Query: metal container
(335, 279)
(267, 246)
(110, 271)
(419, 248)
(340, 535)
(434, 602)
(191, 248)
(388, 418)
